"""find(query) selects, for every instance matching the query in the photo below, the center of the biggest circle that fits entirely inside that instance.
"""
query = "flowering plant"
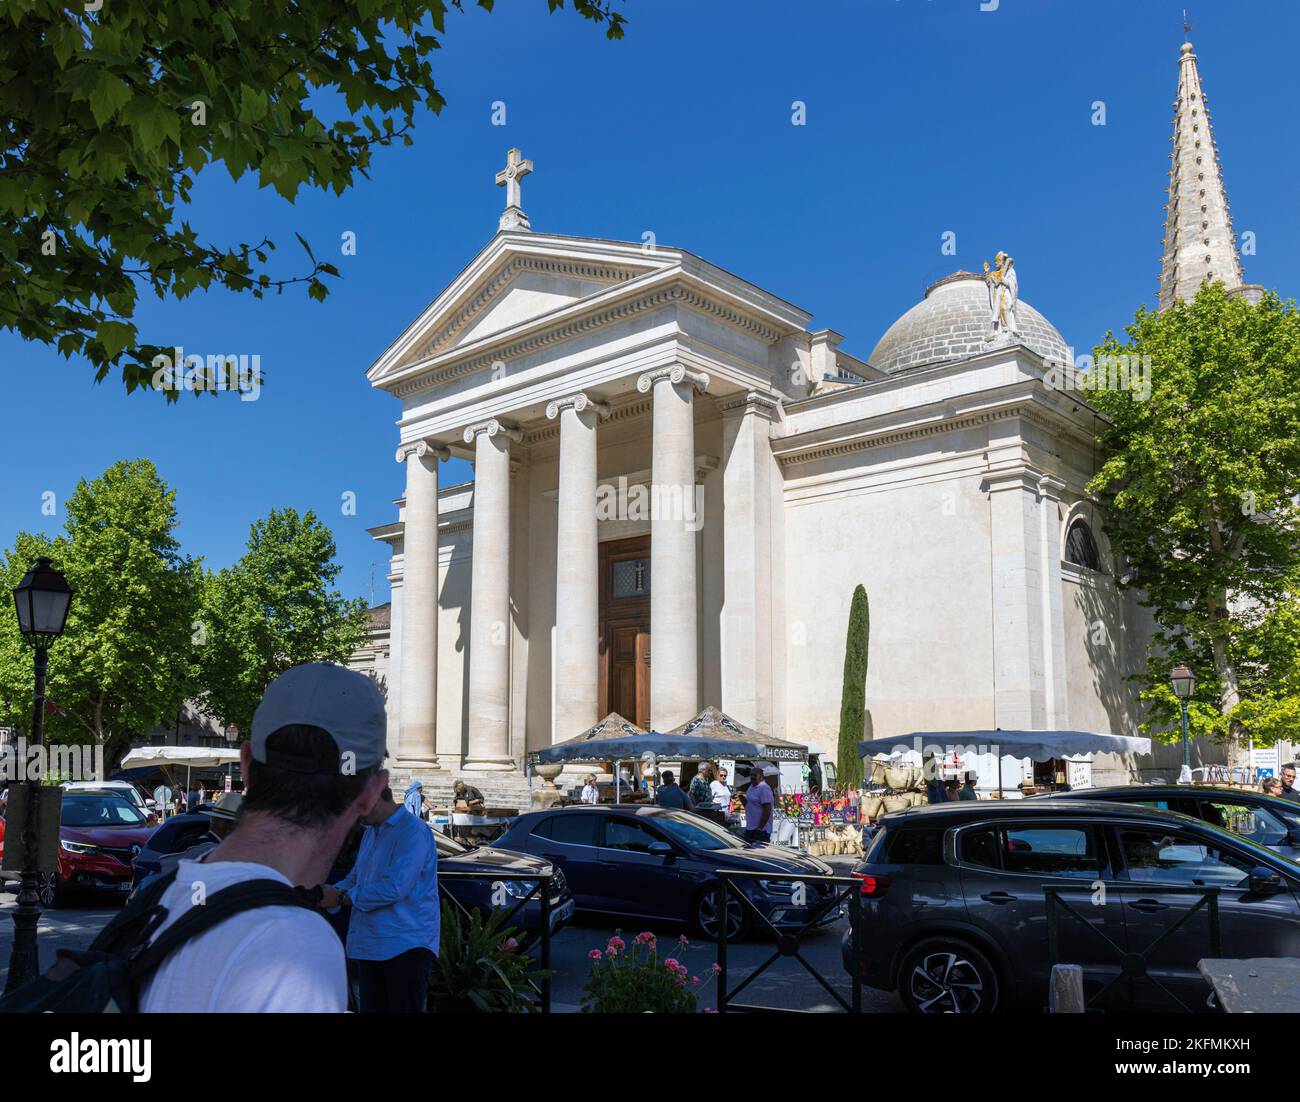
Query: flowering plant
(634, 979)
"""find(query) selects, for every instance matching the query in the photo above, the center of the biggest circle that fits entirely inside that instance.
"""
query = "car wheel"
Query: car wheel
(706, 915)
(943, 975)
(49, 891)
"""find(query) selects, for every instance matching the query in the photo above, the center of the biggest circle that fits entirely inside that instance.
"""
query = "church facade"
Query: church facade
(678, 485)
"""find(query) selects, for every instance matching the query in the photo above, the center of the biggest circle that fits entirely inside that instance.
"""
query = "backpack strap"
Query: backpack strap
(135, 923)
(219, 906)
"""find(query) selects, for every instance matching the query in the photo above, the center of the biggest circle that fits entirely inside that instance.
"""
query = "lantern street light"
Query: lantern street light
(1184, 683)
(42, 600)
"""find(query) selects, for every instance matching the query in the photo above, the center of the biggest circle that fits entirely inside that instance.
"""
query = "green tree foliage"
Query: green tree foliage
(110, 114)
(122, 665)
(1199, 488)
(273, 609)
(853, 702)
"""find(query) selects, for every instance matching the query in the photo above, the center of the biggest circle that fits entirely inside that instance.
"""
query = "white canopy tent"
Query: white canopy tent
(168, 758)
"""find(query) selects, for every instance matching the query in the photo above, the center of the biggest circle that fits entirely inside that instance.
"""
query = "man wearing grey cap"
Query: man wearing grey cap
(313, 767)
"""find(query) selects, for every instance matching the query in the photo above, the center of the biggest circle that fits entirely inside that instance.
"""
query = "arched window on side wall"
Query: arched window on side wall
(1081, 546)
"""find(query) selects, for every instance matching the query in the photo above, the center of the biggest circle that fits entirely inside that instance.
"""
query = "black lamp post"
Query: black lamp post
(1184, 683)
(42, 599)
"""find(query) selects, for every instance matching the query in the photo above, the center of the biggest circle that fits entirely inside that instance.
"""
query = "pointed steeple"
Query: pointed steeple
(1199, 240)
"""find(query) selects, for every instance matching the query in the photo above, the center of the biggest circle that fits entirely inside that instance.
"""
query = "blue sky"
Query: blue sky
(923, 116)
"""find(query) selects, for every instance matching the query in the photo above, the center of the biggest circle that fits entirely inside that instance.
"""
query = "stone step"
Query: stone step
(508, 791)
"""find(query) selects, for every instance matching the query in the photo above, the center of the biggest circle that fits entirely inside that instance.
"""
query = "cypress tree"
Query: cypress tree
(853, 703)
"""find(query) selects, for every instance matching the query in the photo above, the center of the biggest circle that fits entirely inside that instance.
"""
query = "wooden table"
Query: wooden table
(1255, 985)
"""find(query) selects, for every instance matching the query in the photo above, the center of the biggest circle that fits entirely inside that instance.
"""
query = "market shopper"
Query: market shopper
(312, 763)
(968, 788)
(759, 803)
(699, 791)
(1272, 786)
(392, 890)
(720, 790)
(590, 793)
(669, 794)
(1289, 790)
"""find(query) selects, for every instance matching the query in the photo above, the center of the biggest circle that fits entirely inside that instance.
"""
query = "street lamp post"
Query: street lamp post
(1184, 683)
(42, 600)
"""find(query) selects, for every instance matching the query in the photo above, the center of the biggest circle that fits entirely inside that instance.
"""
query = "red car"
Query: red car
(99, 835)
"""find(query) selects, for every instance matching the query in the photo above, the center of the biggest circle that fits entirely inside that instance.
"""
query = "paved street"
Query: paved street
(785, 984)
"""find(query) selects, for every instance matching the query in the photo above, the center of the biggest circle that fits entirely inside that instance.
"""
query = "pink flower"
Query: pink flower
(615, 944)
(683, 940)
(695, 979)
(715, 968)
(511, 945)
(595, 954)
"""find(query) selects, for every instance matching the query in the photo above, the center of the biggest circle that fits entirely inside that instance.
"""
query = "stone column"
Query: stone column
(751, 480)
(674, 608)
(489, 618)
(577, 581)
(417, 745)
(1055, 697)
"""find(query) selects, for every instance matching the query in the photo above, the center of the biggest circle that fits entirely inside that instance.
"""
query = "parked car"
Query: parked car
(455, 857)
(658, 864)
(956, 919)
(1258, 818)
(124, 789)
(174, 835)
(99, 835)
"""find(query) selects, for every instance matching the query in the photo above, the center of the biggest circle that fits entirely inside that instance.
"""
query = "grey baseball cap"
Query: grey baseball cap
(343, 702)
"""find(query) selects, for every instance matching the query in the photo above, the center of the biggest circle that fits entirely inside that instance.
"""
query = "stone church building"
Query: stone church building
(678, 484)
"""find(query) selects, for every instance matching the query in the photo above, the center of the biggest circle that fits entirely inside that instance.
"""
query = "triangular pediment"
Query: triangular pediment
(516, 280)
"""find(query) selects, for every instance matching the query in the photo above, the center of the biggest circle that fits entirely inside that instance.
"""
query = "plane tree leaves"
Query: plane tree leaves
(107, 116)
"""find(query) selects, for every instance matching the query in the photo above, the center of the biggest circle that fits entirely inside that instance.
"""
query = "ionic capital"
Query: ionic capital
(493, 426)
(419, 449)
(675, 374)
(577, 402)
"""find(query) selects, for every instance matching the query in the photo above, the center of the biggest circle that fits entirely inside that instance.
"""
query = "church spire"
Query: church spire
(1199, 240)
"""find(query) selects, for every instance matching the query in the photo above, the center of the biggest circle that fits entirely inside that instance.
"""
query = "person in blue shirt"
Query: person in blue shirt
(393, 926)
(668, 794)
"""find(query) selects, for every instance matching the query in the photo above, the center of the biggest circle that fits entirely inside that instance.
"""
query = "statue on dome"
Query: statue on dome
(1004, 293)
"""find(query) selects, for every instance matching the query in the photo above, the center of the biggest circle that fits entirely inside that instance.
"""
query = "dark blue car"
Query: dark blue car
(659, 864)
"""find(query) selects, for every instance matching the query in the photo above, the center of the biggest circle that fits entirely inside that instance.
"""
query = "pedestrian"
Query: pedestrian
(668, 794)
(758, 806)
(1289, 791)
(720, 791)
(699, 792)
(1272, 786)
(470, 796)
(415, 801)
(221, 821)
(312, 763)
(392, 890)
(590, 793)
(968, 789)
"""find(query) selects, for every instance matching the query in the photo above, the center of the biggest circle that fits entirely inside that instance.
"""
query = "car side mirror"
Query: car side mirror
(1264, 881)
(661, 849)
(150, 803)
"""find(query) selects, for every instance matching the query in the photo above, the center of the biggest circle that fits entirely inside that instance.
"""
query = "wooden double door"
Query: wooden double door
(625, 629)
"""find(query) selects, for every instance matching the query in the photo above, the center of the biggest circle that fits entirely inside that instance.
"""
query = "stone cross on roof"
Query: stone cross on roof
(516, 169)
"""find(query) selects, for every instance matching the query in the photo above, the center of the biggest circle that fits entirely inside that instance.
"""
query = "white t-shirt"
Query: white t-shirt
(266, 960)
(721, 794)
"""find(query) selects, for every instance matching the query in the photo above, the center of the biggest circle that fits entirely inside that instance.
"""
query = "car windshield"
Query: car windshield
(691, 830)
(1254, 847)
(448, 847)
(96, 811)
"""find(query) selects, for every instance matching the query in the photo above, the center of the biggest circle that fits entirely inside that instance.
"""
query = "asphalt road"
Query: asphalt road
(785, 984)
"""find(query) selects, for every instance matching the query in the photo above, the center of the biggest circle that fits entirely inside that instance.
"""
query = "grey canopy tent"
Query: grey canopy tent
(711, 734)
(1035, 745)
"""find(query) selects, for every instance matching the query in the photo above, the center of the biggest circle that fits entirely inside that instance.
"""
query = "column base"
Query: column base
(421, 765)
(489, 765)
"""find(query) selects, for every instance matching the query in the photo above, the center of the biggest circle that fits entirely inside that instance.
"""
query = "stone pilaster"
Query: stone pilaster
(674, 570)
(577, 581)
(488, 705)
(418, 654)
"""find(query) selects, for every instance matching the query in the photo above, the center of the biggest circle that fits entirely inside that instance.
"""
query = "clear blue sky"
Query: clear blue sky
(922, 116)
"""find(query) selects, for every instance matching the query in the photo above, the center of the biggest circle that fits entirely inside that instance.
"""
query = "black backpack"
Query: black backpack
(107, 977)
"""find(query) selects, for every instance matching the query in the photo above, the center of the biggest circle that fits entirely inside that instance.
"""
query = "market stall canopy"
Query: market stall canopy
(585, 747)
(1036, 745)
(711, 734)
(191, 757)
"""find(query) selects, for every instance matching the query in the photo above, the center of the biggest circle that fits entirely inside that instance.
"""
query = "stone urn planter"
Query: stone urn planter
(548, 773)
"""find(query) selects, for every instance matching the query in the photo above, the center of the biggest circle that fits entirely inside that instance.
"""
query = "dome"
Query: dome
(951, 323)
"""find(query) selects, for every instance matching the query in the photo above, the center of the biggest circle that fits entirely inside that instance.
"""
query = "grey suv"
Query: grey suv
(955, 909)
